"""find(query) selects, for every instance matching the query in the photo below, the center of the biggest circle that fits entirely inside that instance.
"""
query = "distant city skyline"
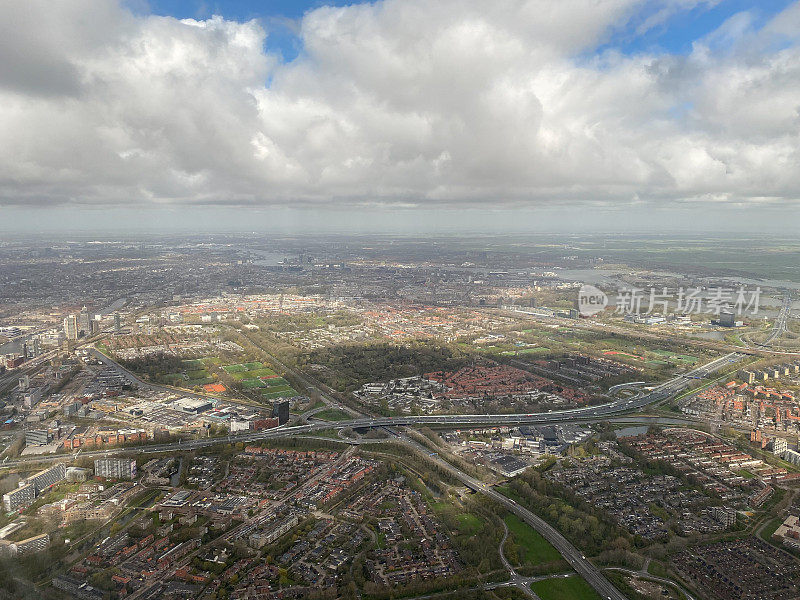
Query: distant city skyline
(400, 115)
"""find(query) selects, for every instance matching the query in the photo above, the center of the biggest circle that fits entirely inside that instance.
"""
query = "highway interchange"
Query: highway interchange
(584, 567)
(588, 413)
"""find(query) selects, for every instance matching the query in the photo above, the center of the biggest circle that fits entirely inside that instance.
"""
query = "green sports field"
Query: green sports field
(263, 372)
(250, 384)
(248, 371)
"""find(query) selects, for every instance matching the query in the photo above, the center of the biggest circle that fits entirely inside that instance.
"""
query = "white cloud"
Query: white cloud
(400, 102)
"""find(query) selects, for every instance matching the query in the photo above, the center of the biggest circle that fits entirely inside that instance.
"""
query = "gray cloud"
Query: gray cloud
(412, 102)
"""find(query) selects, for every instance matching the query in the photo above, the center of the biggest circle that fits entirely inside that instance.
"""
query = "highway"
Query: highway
(571, 554)
(587, 413)
(779, 327)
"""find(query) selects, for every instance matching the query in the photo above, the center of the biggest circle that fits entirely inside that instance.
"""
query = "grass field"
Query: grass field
(537, 549)
(333, 414)
(194, 374)
(678, 357)
(770, 528)
(194, 363)
(279, 394)
(568, 588)
(536, 350)
(250, 384)
(468, 524)
(263, 372)
(248, 371)
(175, 378)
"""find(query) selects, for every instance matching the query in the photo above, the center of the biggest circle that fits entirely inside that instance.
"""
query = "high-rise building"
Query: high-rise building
(117, 322)
(31, 487)
(84, 323)
(779, 446)
(748, 377)
(115, 468)
(44, 479)
(727, 318)
(36, 543)
(792, 456)
(20, 498)
(71, 327)
(726, 516)
(280, 410)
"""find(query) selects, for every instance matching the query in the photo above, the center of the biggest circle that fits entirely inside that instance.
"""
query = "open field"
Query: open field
(535, 549)
(567, 588)
(333, 414)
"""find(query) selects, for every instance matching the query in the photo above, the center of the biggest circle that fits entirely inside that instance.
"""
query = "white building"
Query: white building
(792, 457)
(115, 468)
(779, 446)
(20, 498)
(71, 327)
(239, 425)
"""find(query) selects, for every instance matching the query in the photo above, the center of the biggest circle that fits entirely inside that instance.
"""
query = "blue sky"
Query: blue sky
(275, 15)
(674, 36)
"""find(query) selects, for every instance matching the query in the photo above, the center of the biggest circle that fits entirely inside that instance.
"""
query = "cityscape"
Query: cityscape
(400, 299)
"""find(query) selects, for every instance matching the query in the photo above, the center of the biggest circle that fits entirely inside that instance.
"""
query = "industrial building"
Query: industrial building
(37, 437)
(192, 405)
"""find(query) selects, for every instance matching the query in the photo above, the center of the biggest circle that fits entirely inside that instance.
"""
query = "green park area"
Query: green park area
(564, 588)
(530, 350)
(333, 414)
(194, 372)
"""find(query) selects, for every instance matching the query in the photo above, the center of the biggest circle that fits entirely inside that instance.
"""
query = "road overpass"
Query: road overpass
(584, 414)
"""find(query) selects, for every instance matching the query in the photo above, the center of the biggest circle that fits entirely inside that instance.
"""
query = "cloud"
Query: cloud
(398, 102)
